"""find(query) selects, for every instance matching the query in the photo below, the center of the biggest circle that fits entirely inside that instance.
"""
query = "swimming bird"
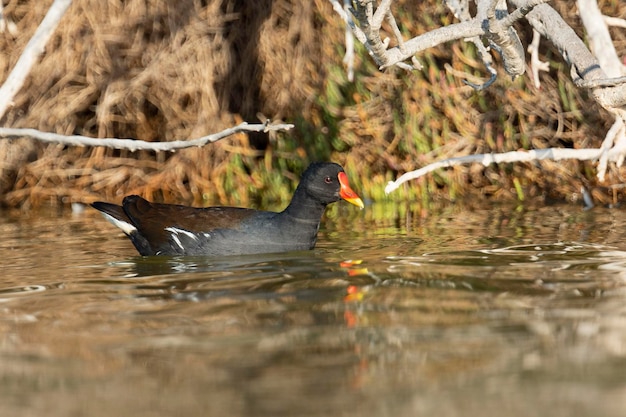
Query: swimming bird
(177, 230)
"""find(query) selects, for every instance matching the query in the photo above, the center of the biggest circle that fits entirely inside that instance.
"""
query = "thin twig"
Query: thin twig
(486, 84)
(615, 21)
(396, 31)
(348, 59)
(521, 12)
(137, 145)
(536, 64)
(612, 137)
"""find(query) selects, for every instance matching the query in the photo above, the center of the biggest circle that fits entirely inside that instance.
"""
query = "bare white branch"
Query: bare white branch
(552, 27)
(460, 9)
(496, 27)
(602, 47)
(599, 38)
(504, 38)
(370, 24)
(33, 50)
(138, 145)
(347, 17)
(555, 154)
(492, 23)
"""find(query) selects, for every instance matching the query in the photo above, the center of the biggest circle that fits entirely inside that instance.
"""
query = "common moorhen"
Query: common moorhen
(168, 229)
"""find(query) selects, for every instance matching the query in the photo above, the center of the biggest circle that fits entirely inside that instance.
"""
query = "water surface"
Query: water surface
(495, 311)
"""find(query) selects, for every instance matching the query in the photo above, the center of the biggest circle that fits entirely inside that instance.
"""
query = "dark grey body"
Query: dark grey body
(266, 232)
(167, 229)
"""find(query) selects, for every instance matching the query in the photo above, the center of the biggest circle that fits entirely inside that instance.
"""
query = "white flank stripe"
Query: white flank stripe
(177, 240)
(176, 230)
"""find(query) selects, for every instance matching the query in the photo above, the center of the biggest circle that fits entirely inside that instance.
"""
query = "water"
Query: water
(492, 311)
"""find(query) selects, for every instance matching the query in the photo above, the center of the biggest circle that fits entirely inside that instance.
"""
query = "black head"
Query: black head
(326, 182)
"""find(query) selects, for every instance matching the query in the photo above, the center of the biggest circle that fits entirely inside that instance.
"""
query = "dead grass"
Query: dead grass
(162, 71)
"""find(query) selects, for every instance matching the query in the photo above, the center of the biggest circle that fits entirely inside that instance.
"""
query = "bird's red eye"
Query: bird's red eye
(328, 180)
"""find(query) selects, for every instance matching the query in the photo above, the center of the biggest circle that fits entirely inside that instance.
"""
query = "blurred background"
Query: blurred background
(162, 71)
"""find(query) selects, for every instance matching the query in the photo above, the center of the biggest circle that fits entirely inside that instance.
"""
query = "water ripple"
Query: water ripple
(22, 290)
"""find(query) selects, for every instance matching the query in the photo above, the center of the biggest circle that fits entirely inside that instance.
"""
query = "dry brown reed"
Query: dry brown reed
(156, 70)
